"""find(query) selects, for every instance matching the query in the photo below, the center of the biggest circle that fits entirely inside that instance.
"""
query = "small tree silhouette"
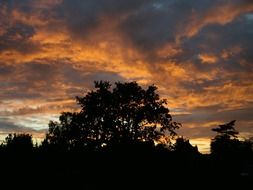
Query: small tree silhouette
(19, 142)
(226, 131)
(226, 142)
(125, 114)
(184, 147)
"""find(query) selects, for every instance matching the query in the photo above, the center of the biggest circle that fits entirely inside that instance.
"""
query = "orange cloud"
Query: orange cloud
(37, 85)
(222, 14)
(208, 58)
(202, 143)
(227, 54)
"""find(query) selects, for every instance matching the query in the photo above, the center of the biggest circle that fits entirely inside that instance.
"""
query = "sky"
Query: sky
(199, 53)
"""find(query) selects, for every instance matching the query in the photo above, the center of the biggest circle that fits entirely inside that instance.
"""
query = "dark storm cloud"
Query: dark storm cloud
(39, 78)
(159, 22)
(230, 45)
(82, 17)
(18, 37)
(15, 35)
(29, 7)
(146, 24)
(21, 21)
(216, 38)
(149, 28)
(5, 69)
(186, 18)
(22, 81)
(9, 5)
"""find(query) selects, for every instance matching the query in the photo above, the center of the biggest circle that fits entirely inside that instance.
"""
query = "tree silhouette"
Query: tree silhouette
(226, 142)
(232, 156)
(183, 147)
(19, 142)
(125, 114)
(226, 130)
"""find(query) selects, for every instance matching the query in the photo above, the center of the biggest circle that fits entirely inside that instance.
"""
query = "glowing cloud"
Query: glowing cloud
(199, 54)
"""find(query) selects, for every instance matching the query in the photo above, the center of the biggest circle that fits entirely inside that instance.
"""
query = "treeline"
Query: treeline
(126, 135)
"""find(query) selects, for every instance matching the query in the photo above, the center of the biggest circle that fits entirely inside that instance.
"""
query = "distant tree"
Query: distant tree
(183, 146)
(226, 142)
(250, 142)
(127, 113)
(226, 130)
(19, 142)
(66, 134)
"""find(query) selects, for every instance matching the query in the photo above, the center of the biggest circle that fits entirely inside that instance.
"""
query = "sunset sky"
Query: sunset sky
(199, 53)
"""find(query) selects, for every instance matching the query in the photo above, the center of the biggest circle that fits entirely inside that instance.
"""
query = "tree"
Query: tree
(184, 147)
(125, 114)
(226, 142)
(226, 130)
(19, 142)
(226, 139)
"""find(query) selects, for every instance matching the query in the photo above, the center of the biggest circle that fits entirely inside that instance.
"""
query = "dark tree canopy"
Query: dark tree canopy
(184, 147)
(123, 114)
(19, 142)
(226, 130)
(226, 142)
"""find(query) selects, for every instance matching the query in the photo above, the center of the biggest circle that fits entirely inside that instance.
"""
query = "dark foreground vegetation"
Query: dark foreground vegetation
(123, 138)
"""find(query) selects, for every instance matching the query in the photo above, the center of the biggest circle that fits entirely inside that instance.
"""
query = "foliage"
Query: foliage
(126, 113)
(19, 142)
(183, 146)
(226, 130)
(226, 142)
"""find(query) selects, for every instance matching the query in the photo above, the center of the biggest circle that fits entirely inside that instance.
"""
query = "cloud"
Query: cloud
(90, 15)
(199, 123)
(7, 127)
(44, 87)
(199, 54)
(214, 12)
(207, 58)
(41, 78)
(18, 37)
